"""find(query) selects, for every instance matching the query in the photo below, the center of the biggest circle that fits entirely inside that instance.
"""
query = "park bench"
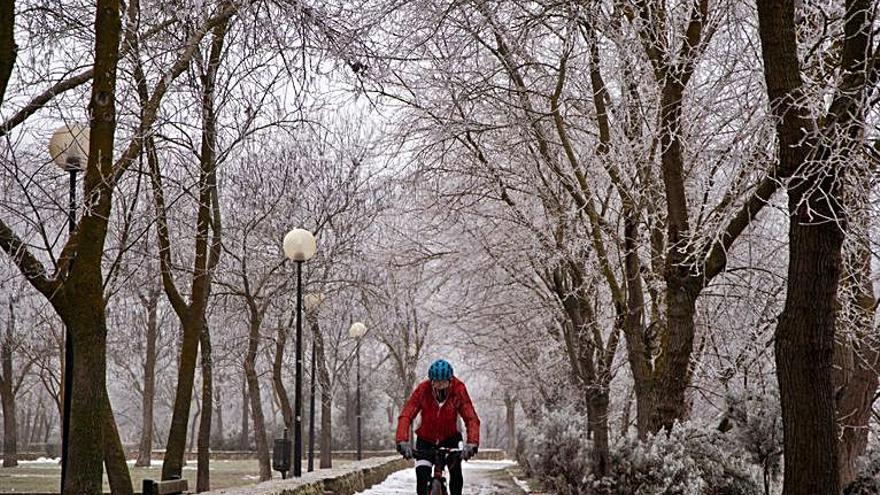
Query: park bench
(167, 487)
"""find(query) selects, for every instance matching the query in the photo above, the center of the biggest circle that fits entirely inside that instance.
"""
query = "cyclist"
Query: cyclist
(441, 399)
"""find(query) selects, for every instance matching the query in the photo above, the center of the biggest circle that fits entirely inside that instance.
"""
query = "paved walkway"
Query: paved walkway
(480, 478)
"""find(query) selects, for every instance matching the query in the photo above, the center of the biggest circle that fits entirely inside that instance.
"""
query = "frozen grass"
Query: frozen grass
(43, 475)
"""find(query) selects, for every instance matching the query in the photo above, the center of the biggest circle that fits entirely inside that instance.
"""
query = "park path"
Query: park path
(480, 478)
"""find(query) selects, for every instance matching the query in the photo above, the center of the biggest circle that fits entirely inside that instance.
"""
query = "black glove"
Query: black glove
(405, 450)
(468, 451)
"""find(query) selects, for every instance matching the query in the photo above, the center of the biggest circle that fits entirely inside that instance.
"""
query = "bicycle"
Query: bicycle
(440, 457)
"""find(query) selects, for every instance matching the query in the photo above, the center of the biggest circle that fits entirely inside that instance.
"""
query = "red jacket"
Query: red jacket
(439, 422)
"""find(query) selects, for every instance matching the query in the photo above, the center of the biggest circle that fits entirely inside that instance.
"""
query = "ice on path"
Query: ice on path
(522, 484)
(404, 482)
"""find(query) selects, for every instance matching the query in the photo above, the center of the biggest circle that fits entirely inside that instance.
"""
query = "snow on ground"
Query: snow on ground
(399, 483)
(477, 480)
(522, 484)
(156, 462)
(57, 460)
(42, 460)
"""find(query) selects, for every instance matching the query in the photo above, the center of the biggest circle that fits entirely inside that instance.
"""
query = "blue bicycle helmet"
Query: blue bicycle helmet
(440, 370)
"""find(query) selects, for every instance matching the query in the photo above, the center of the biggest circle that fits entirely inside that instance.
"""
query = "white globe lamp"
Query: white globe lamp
(300, 245)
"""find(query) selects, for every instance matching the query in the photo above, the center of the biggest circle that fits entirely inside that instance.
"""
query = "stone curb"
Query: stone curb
(337, 481)
(346, 480)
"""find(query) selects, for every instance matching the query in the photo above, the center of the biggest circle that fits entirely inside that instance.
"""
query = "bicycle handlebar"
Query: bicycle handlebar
(428, 455)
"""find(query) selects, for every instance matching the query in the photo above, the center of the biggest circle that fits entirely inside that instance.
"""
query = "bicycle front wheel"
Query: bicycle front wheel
(438, 488)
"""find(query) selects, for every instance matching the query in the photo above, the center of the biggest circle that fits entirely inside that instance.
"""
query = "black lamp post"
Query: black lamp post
(356, 331)
(69, 149)
(299, 246)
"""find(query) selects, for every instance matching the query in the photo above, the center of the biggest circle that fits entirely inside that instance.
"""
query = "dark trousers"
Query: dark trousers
(425, 473)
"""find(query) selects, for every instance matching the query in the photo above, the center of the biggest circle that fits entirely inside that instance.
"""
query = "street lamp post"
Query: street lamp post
(299, 246)
(69, 149)
(356, 331)
(313, 301)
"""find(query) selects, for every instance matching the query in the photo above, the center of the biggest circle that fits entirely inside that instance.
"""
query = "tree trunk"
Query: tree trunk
(145, 447)
(278, 379)
(326, 399)
(856, 356)
(243, 439)
(203, 480)
(804, 350)
(804, 342)
(10, 432)
(80, 300)
(175, 447)
(637, 350)
(629, 305)
(209, 214)
(40, 429)
(256, 404)
(193, 427)
(592, 364)
(661, 390)
(207, 255)
(8, 48)
(30, 437)
(671, 374)
(625, 417)
(7, 394)
(351, 417)
(118, 475)
(588, 359)
(805, 334)
(597, 417)
(326, 428)
(25, 430)
(87, 427)
(510, 409)
(47, 421)
(219, 439)
(671, 379)
(854, 407)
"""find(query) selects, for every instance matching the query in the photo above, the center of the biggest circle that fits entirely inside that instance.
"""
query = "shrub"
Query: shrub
(868, 480)
(757, 428)
(690, 460)
(556, 449)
